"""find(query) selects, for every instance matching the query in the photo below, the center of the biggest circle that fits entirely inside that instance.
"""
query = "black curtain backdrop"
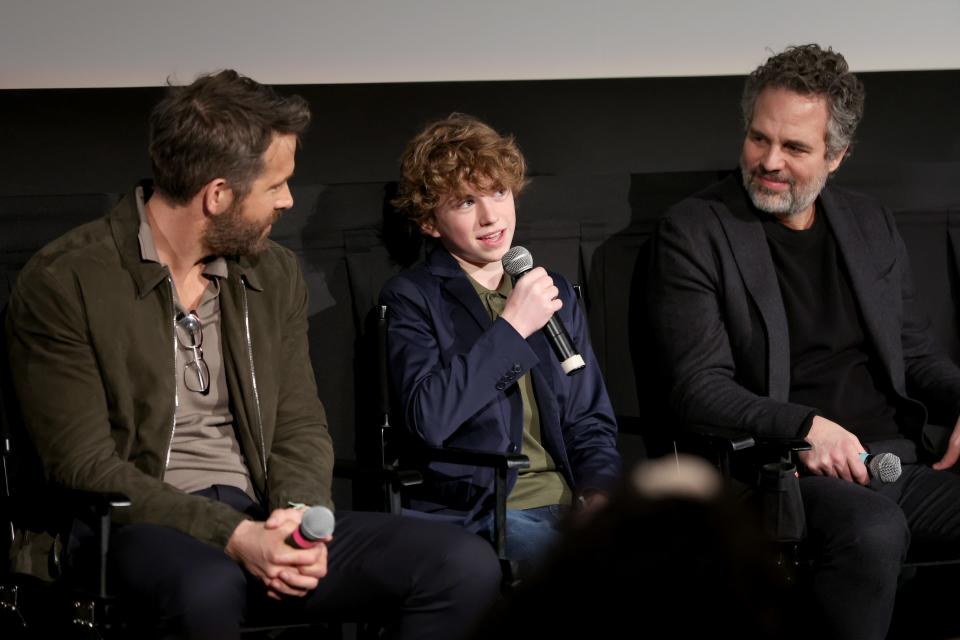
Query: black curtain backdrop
(94, 140)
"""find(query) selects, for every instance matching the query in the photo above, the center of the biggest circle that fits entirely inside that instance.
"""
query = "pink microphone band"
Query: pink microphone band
(302, 542)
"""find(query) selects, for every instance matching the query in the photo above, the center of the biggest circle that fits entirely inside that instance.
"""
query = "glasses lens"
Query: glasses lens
(196, 376)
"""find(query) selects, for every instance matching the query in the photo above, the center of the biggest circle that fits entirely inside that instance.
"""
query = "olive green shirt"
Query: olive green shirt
(541, 484)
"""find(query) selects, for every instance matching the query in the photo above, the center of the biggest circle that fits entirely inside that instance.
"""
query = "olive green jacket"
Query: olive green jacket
(90, 333)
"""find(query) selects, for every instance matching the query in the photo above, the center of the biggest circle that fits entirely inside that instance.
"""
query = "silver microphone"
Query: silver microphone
(316, 524)
(883, 466)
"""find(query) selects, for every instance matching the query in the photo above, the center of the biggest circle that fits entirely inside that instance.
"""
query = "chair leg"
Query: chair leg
(368, 631)
(500, 514)
(11, 616)
(511, 574)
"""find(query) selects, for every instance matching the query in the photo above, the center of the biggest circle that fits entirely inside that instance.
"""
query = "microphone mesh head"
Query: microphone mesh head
(886, 467)
(317, 522)
(516, 261)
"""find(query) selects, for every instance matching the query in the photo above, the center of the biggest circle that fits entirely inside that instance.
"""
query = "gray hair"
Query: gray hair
(810, 70)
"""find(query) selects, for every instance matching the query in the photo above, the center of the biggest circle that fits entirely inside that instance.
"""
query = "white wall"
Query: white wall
(97, 43)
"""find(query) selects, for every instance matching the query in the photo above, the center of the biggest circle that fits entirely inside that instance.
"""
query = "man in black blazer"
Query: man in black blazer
(786, 307)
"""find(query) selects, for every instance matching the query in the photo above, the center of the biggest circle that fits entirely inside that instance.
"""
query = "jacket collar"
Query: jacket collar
(445, 267)
(125, 225)
(748, 242)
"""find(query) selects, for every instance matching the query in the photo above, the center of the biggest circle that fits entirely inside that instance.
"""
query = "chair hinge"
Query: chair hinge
(10, 605)
(85, 613)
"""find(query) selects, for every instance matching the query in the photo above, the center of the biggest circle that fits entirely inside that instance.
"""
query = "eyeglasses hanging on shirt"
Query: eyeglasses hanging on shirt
(189, 330)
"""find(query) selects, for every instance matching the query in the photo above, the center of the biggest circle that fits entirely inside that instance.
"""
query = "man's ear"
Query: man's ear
(834, 164)
(217, 196)
(428, 227)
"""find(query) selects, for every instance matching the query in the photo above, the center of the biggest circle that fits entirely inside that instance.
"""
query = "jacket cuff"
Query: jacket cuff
(807, 423)
(226, 523)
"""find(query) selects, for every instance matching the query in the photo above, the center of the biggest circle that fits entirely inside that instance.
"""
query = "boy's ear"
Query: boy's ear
(428, 227)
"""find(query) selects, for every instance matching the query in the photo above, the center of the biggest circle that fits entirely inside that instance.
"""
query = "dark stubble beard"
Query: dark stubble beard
(230, 234)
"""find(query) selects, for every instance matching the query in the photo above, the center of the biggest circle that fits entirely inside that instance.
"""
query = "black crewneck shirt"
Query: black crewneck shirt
(833, 363)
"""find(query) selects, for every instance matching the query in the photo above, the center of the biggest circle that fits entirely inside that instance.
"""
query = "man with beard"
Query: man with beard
(785, 307)
(161, 352)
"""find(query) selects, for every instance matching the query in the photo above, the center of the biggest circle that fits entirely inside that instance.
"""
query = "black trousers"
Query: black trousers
(421, 579)
(860, 536)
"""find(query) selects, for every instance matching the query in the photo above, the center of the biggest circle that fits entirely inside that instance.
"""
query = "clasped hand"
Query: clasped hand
(261, 548)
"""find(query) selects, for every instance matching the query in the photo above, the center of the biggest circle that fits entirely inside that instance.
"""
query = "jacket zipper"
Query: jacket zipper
(253, 377)
(176, 389)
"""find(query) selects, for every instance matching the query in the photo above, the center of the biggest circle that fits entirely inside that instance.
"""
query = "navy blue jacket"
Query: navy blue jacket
(454, 371)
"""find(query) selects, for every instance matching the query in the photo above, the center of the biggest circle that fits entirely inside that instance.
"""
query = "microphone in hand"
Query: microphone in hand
(518, 261)
(317, 523)
(882, 466)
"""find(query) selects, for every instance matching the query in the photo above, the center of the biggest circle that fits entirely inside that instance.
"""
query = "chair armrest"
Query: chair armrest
(101, 506)
(724, 438)
(502, 463)
(100, 503)
(354, 470)
(474, 457)
(734, 439)
(784, 444)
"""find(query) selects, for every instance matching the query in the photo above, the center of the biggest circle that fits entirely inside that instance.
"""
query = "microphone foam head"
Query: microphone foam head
(516, 261)
(317, 523)
(886, 467)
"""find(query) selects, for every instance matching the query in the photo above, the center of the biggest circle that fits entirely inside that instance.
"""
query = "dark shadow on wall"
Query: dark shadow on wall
(617, 276)
(373, 256)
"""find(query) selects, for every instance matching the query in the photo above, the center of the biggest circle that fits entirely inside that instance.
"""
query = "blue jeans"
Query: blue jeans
(531, 534)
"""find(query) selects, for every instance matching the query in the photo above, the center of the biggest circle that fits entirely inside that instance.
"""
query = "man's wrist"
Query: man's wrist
(233, 541)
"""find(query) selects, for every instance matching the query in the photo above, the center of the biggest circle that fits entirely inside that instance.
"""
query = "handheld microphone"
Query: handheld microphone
(317, 523)
(516, 262)
(883, 466)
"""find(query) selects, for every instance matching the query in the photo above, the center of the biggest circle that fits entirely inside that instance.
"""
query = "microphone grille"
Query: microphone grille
(516, 261)
(886, 467)
(317, 522)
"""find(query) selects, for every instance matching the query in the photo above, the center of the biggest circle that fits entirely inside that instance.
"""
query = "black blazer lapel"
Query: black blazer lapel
(868, 289)
(444, 266)
(748, 243)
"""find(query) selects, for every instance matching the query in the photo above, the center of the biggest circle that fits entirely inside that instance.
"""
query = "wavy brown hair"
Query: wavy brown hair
(812, 71)
(452, 155)
(218, 126)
